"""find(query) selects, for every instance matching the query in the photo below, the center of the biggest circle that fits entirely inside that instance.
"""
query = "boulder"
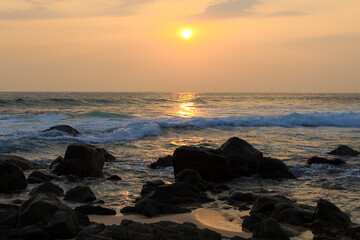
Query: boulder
(80, 194)
(269, 229)
(95, 210)
(344, 150)
(240, 148)
(48, 213)
(107, 156)
(23, 163)
(189, 176)
(151, 208)
(150, 186)
(114, 178)
(179, 193)
(11, 177)
(55, 165)
(39, 177)
(321, 160)
(251, 221)
(48, 187)
(82, 160)
(283, 210)
(329, 219)
(274, 168)
(64, 128)
(8, 215)
(166, 161)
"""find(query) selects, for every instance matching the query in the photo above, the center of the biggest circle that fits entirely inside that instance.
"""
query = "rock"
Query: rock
(179, 193)
(64, 128)
(321, 160)
(150, 186)
(55, 165)
(95, 210)
(274, 168)
(11, 177)
(189, 176)
(29, 233)
(251, 221)
(39, 177)
(329, 219)
(353, 231)
(151, 208)
(283, 210)
(344, 150)
(240, 148)
(238, 238)
(323, 238)
(23, 163)
(166, 161)
(48, 213)
(206, 234)
(243, 197)
(8, 215)
(80, 194)
(82, 160)
(114, 178)
(107, 156)
(48, 187)
(269, 229)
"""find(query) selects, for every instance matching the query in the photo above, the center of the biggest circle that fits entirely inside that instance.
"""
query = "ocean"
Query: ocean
(140, 127)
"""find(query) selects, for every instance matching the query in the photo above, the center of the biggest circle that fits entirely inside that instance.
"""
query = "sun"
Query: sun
(186, 34)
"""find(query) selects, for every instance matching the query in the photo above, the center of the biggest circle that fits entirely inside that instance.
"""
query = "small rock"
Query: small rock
(274, 168)
(64, 128)
(251, 221)
(150, 186)
(80, 194)
(55, 165)
(114, 178)
(11, 177)
(166, 161)
(269, 229)
(320, 160)
(344, 150)
(22, 163)
(39, 177)
(95, 210)
(48, 187)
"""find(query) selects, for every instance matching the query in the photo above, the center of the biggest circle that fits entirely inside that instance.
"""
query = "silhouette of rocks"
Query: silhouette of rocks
(64, 128)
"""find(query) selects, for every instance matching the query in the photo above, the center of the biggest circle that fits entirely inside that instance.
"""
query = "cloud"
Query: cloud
(44, 9)
(229, 9)
(286, 14)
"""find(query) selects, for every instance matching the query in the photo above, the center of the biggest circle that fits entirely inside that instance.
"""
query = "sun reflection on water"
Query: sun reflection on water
(186, 108)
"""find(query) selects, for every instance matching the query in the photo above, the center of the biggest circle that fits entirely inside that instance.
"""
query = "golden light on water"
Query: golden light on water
(186, 108)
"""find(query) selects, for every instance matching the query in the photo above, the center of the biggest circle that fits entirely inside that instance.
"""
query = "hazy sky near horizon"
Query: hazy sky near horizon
(136, 45)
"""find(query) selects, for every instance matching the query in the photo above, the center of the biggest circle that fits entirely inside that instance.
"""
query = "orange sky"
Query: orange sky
(135, 45)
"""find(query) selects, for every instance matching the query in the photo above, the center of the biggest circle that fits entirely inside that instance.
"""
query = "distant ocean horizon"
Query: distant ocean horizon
(139, 127)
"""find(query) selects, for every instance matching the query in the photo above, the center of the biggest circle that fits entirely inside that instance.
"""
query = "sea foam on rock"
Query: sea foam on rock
(235, 158)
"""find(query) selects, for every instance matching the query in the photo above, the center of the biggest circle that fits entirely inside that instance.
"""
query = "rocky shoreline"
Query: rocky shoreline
(200, 177)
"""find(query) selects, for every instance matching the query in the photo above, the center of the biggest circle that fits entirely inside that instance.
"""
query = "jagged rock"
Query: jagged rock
(150, 186)
(39, 177)
(48, 213)
(151, 208)
(274, 168)
(166, 161)
(114, 178)
(80, 194)
(329, 219)
(344, 150)
(82, 160)
(11, 177)
(64, 128)
(48, 187)
(55, 165)
(321, 160)
(96, 210)
(23, 163)
(283, 210)
(269, 229)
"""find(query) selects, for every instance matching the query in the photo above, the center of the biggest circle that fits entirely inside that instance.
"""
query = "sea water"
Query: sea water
(140, 127)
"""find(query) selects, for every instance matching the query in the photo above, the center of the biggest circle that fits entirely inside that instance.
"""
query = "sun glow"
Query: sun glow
(186, 34)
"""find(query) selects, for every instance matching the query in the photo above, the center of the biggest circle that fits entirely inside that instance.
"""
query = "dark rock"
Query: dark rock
(353, 231)
(151, 208)
(344, 150)
(269, 229)
(83, 219)
(11, 177)
(243, 197)
(39, 177)
(55, 165)
(90, 233)
(238, 238)
(274, 168)
(114, 178)
(80, 194)
(188, 176)
(8, 215)
(29, 233)
(179, 193)
(64, 128)
(251, 221)
(23, 163)
(82, 160)
(95, 210)
(321, 160)
(150, 186)
(107, 156)
(238, 147)
(17, 201)
(283, 210)
(323, 238)
(48, 187)
(48, 213)
(206, 234)
(166, 161)
(329, 219)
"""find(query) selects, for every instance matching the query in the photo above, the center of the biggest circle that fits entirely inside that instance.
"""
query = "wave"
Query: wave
(101, 114)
